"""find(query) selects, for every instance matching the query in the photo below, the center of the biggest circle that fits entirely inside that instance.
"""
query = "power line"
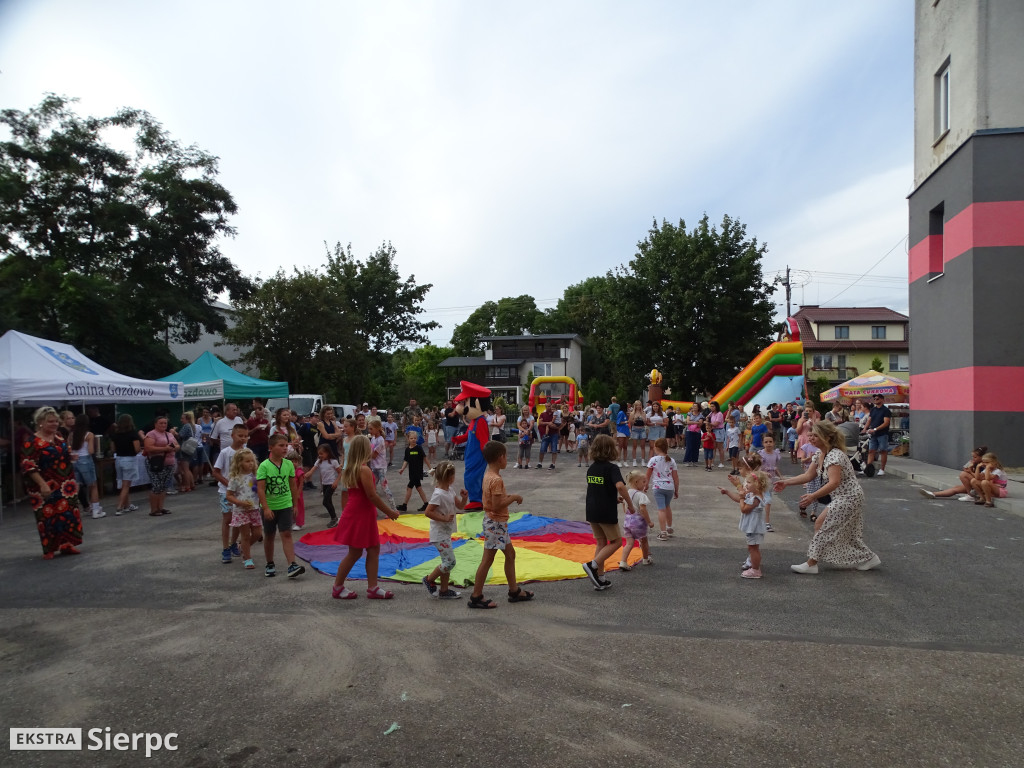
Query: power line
(898, 243)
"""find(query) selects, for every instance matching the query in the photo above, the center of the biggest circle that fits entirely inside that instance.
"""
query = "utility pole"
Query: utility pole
(789, 309)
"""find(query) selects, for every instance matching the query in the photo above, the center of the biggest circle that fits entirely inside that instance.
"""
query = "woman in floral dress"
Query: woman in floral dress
(49, 479)
(840, 528)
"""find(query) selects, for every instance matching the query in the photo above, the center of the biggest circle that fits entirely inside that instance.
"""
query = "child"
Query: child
(441, 511)
(414, 461)
(244, 499)
(990, 482)
(276, 487)
(357, 528)
(434, 436)
(379, 458)
(300, 500)
(707, 440)
(732, 441)
(390, 432)
(221, 470)
(770, 466)
(604, 484)
(751, 519)
(416, 429)
(663, 477)
(330, 470)
(791, 442)
(757, 433)
(495, 528)
(637, 523)
(811, 456)
(525, 441)
(582, 448)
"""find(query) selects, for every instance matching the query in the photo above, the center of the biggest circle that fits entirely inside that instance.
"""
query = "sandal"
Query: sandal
(379, 594)
(343, 594)
(249, 565)
(979, 503)
(624, 566)
(989, 504)
(157, 513)
(479, 601)
(520, 596)
(662, 536)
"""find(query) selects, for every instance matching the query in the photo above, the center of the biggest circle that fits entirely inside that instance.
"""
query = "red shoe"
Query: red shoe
(343, 593)
(379, 594)
(67, 549)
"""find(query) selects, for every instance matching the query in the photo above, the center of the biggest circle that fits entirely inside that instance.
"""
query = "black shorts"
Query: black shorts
(282, 521)
(414, 481)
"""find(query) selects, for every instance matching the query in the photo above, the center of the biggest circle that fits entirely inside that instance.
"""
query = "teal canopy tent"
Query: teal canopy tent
(210, 378)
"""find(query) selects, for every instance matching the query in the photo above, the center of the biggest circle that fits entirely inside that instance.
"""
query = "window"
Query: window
(936, 230)
(842, 331)
(877, 331)
(542, 369)
(841, 366)
(942, 101)
(822, 362)
(899, 362)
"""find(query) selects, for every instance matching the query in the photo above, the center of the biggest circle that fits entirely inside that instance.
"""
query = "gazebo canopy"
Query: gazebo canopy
(869, 384)
(208, 377)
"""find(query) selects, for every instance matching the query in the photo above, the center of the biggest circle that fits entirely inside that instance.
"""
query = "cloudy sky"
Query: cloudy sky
(509, 148)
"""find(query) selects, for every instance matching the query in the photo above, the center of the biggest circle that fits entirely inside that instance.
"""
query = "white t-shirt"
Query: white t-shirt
(222, 432)
(639, 499)
(329, 471)
(224, 465)
(661, 477)
(445, 501)
(732, 437)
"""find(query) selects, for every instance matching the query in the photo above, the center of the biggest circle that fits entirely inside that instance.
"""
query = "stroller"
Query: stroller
(457, 452)
(857, 448)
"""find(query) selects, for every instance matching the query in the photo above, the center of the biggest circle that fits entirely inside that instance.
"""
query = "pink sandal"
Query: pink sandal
(343, 593)
(379, 594)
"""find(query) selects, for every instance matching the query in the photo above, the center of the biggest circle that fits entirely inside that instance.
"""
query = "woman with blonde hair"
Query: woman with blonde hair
(838, 536)
(638, 432)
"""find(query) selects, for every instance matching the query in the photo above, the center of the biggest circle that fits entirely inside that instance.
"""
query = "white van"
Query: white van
(303, 405)
(343, 411)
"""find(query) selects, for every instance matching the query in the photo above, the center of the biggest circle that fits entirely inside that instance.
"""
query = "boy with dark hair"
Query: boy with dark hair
(495, 528)
(277, 488)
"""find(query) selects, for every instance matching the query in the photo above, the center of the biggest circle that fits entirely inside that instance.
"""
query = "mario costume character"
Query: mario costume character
(472, 403)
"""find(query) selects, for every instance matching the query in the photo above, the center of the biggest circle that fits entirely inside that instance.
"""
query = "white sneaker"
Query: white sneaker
(98, 513)
(966, 497)
(927, 494)
(874, 562)
(634, 462)
(721, 465)
(880, 473)
(296, 527)
(804, 568)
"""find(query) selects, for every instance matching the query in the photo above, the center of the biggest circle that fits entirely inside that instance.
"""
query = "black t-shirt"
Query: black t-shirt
(414, 458)
(878, 414)
(124, 442)
(602, 495)
(451, 417)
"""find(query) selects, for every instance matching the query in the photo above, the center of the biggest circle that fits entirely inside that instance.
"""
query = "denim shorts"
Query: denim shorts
(663, 497)
(754, 539)
(878, 443)
(549, 443)
(637, 433)
(127, 469)
(655, 433)
(85, 471)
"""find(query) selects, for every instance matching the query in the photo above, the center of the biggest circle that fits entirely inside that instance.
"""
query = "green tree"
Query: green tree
(423, 378)
(509, 316)
(876, 364)
(112, 251)
(692, 303)
(466, 336)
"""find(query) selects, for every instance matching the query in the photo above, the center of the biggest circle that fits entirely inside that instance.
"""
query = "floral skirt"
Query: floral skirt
(58, 519)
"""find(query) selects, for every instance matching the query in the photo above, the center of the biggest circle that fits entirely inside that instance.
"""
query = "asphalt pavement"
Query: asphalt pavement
(920, 662)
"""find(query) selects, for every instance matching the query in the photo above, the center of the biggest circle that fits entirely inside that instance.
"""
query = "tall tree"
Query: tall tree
(113, 251)
(325, 330)
(693, 303)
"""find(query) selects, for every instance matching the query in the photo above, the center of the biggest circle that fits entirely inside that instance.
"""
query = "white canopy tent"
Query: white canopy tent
(36, 371)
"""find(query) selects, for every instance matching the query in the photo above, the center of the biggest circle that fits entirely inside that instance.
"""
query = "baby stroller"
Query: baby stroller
(857, 448)
(457, 451)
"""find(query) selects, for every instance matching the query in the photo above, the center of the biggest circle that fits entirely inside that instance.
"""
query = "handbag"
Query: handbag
(155, 463)
(189, 447)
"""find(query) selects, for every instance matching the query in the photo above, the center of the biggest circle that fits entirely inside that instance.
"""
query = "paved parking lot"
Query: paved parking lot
(920, 662)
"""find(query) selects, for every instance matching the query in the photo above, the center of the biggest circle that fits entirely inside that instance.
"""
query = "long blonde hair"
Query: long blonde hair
(358, 454)
(236, 462)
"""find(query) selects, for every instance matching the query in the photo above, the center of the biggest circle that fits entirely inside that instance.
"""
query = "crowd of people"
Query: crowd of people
(262, 462)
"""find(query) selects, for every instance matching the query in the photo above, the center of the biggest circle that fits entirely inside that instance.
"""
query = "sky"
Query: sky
(511, 148)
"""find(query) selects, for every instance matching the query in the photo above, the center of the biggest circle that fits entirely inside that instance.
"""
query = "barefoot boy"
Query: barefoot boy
(496, 503)
(276, 486)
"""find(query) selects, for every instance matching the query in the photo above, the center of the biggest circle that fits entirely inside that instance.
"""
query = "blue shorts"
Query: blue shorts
(549, 443)
(85, 471)
(663, 497)
(879, 443)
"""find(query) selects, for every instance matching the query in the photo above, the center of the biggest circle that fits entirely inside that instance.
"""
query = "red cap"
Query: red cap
(470, 389)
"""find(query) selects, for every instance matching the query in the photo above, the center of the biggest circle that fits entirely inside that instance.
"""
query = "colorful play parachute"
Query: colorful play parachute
(547, 549)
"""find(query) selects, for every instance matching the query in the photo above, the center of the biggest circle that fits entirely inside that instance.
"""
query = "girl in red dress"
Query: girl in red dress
(357, 528)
